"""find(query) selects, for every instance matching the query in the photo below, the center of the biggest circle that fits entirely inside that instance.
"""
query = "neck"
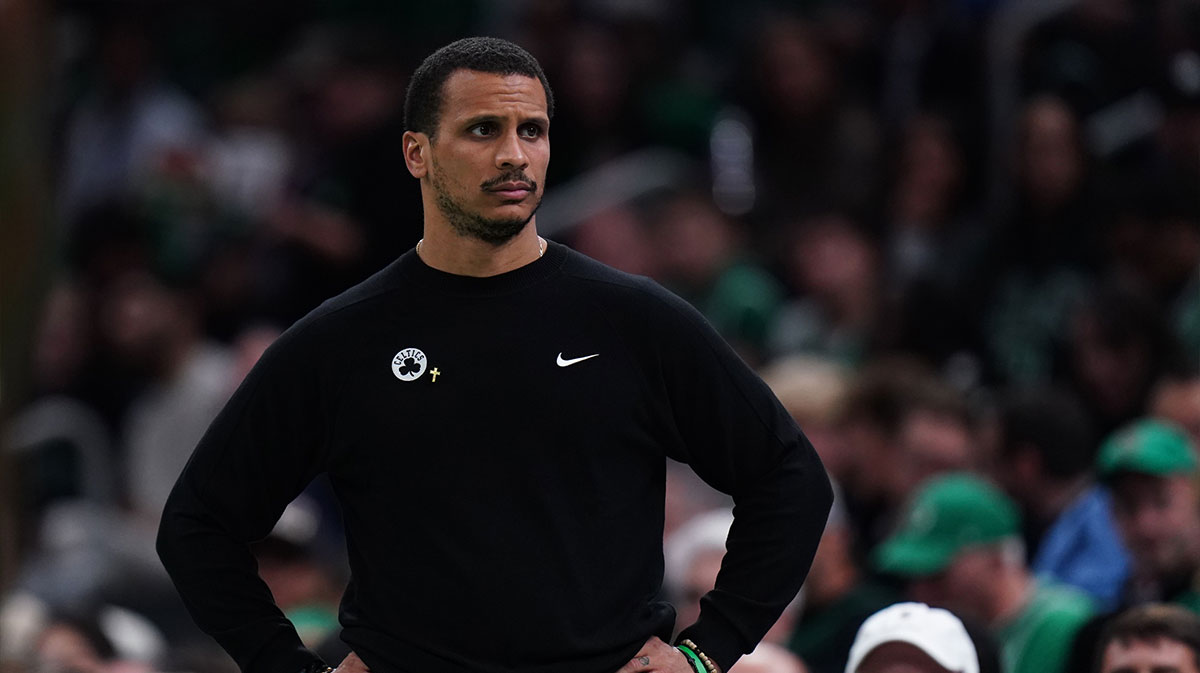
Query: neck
(1054, 499)
(1017, 586)
(447, 251)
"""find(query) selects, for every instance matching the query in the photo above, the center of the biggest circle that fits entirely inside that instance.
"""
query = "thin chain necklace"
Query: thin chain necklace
(541, 247)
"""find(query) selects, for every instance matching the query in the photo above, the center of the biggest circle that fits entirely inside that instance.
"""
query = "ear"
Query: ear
(416, 153)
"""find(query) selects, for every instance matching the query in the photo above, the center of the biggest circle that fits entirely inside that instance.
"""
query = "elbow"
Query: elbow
(167, 543)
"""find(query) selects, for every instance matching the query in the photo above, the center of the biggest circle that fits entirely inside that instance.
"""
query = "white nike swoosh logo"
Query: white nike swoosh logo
(568, 363)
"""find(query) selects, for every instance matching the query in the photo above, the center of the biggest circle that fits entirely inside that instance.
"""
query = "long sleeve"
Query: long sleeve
(735, 434)
(264, 447)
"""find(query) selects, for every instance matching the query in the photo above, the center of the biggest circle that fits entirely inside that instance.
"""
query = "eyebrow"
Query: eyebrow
(479, 119)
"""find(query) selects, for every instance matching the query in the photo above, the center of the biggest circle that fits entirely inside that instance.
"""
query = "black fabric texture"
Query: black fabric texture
(503, 512)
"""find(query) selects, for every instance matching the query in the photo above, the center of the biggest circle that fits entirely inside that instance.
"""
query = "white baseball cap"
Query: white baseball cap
(934, 631)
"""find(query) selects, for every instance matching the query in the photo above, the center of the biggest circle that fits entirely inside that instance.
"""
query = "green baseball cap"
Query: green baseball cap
(945, 516)
(1147, 446)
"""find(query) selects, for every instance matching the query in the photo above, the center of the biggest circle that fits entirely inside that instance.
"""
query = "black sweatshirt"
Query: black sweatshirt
(498, 447)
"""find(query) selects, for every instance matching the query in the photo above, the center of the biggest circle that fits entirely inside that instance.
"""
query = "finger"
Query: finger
(638, 664)
(352, 664)
(655, 655)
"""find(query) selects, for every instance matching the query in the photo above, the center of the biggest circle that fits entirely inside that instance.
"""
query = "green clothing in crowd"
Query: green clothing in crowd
(1039, 639)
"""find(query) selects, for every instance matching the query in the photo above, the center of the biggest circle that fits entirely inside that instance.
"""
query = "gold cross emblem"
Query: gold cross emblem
(434, 374)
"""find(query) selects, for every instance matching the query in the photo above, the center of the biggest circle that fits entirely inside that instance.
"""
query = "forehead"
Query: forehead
(1139, 655)
(470, 93)
(1137, 484)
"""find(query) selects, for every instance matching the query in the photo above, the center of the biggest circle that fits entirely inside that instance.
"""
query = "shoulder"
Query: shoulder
(634, 295)
(336, 321)
(354, 303)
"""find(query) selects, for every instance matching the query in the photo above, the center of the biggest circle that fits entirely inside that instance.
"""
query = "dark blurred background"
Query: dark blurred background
(886, 205)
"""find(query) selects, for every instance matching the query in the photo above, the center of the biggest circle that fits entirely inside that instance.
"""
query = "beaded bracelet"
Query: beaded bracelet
(694, 660)
(709, 665)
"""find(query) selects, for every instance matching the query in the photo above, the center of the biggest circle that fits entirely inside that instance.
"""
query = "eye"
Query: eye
(530, 131)
(483, 130)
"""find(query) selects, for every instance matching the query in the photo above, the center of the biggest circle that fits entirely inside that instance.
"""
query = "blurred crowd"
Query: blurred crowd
(959, 238)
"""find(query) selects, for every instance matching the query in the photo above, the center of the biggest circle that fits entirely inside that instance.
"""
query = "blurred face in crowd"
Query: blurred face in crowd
(899, 658)
(795, 70)
(62, 649)
(1113, 372)
(486, 164)
(930, 174)
(693, 241)
(141, 319)
(931, 444)
(1159, 521)
(965, 586)
(1051, 159)
(837, 266)
(1160, 655)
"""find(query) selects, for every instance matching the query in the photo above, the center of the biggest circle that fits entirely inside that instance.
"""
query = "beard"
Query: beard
(495, 231)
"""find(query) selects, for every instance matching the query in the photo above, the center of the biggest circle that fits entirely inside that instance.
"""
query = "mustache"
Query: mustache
(510, 176)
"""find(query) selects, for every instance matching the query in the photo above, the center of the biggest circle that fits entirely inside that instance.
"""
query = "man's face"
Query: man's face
(487, 161)
(964, 586)
(931, 444)
(1161, 655)
(899, 657)
(1159, 521)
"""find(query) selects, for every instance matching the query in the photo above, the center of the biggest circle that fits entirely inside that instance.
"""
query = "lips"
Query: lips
(512, 191)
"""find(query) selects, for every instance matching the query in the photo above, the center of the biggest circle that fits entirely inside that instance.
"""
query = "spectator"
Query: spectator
(155, 329)
(132, 124)
(1046, 459)
(1044, 250)
(813, 391)
(813, 149)
(838, 595)
(958, 547)
(904, 425)
(1151, 638)
(1119, 346)
(933, 243)
(1151, 467)
(701, 259)
(915, 638)
(835, 271)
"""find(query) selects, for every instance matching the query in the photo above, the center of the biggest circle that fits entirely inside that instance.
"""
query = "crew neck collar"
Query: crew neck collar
(521, 277)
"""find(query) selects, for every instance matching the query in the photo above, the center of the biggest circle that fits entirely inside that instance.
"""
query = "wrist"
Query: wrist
(693, 659)
(707, 665)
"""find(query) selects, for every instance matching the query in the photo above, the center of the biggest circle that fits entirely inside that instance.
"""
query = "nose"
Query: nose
(510, 153)
(1146, 524)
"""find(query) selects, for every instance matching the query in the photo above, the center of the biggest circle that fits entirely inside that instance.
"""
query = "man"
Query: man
(912, 638)
(1151, 638)
(903, 425)
(959, 548)
(1150, 465)
(494, 412)
(1047, 455)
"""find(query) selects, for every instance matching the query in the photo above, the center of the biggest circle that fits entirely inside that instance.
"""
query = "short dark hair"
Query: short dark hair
(423, 102)
(1152, 622)
(1052, 422)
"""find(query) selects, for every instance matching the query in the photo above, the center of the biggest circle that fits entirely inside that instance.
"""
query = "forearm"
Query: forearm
(777, 527)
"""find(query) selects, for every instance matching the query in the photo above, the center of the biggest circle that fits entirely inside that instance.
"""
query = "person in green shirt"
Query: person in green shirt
(958, 547)
(1151, 467)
